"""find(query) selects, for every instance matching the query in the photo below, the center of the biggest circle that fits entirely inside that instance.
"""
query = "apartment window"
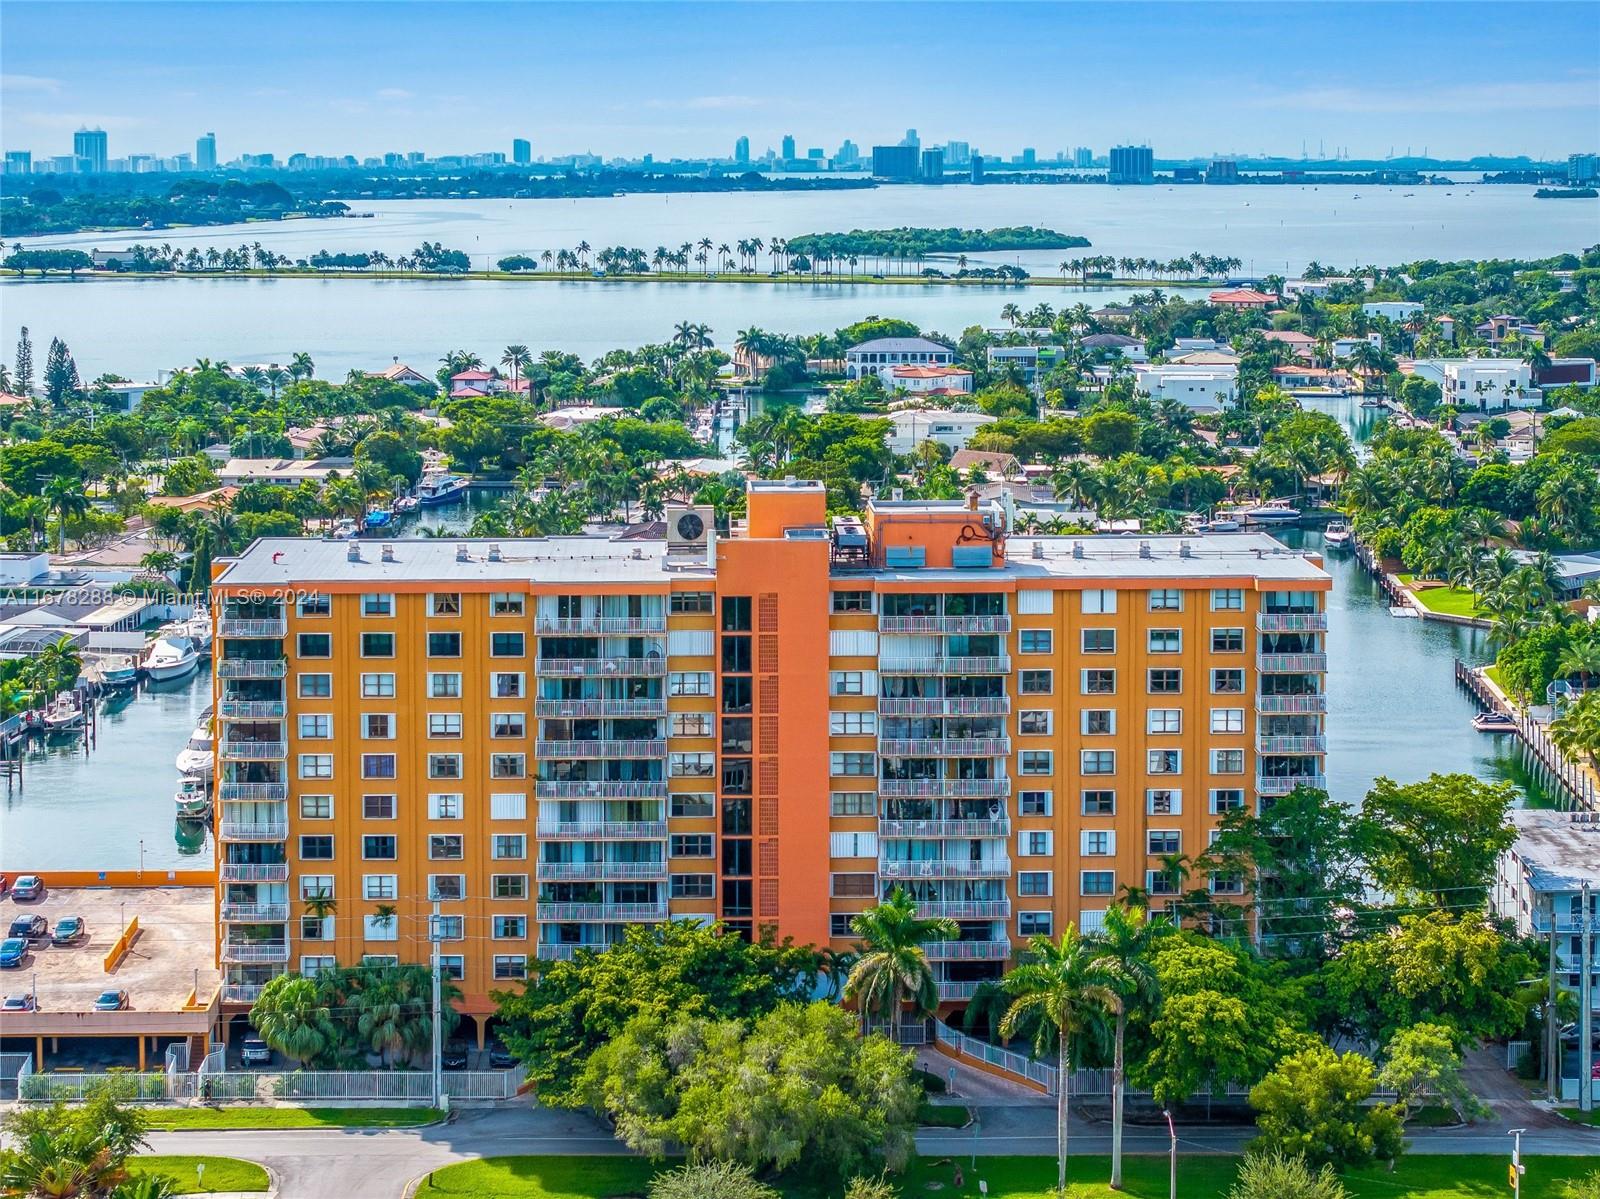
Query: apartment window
(505, 603)
(1034, 843)
(444, 603)
(444, 806)
(1036, 682)
(444, 686)
(1034, 723)
(508, 805)
(444, 645)
(1099, 682)
(377, 645)
(1097, 843)
(1227, 641)
(449, 928)
(1226, 883)
(377, 686)
(839, 924)
(852, 601)
(1165, 681)
(689, 682)
(853, 886)
(852, 724)
(1164, 761)
(508, 846)
(452, 966)
(1035, 641)
(316, 928)
(316, 766)
(696, 766)
(1099, 803)
(1227, 761)
(694, 886)
(444, 766)
(1227, 720)
(693, 804)
(377, 807)
(690, 602)
(1035, 924)
(1099, 641)
(1162, 842)
(444, 724)
(504, 685)
(1034, 803)
(508, 766)
(1099, 722)
(510, 965)
(379, 886)
(444, 846)
(507, 645)
(312, 965)
(316, 847)
(1099, 602)
(314, 605)
(315, 645)
(1097, 882)
(1227, 682)
(508, 928)
(315, 686)
(377, 726)
(380, 928)
(447, 887)
(847, 682)
(692, 845)
(1166, 599)
(1166, 641)
(373, 604)
(1037, 761)
(507, 725)
(377, 766)
(508, 886)
(316, 728)
(1162, 721)
(1033, 882)
(316, 807)
(1163, 801)
(1227, 599)
(378, 847)
(852, 764)
(316, 886)
(1226, 799)
(1098, 761)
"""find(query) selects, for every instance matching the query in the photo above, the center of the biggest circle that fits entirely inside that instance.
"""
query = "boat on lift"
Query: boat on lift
(118, 671)
(406, 503)
(1271, 514)
(63, 715)
(378, 518)
(171, 657)
(1493, 722)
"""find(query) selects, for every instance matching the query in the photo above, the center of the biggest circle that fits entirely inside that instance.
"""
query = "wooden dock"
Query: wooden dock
(1575, 782)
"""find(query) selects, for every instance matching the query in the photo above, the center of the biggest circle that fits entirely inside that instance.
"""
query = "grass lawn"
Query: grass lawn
(222, 1173)
(1145, 1177)
(1578, 1117)
(290, 1117)
(943, 1115)
(1447, 601)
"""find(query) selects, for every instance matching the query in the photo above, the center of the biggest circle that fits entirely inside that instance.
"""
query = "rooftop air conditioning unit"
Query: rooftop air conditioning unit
(689, 529)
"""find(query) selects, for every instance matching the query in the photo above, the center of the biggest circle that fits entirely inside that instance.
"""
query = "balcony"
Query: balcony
(945, 868)
(967, 951)
(242, 992)
(951, 992)
(253, 626)
(1292, 663)
(252, 709)
(598, 625)
(1273, 705)
(255, 913)
(945, 788)
(600, 749)
(1000, 827)
(232, 792)
(253, 872)
(601, 789)
(606, 913)
(252, 668)
(965, 909)
(565, 951)
(953, 705)
(254, 751)
(1567, 922)
(558, 872)
(1292, 622)
(945, 747)
(944, 624)
(1281, 785)
(596, 668)
(998, 664)
(651, 706)
(254, 830)
(255, 951)
(602, 830)
(1291, 745)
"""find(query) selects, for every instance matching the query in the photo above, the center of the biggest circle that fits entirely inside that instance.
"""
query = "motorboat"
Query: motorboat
(1272, 514)
(1337, 535)
(171, 657)
(377, 518)
(406, 503)
(118, 671)
(1221, 524)
(192, 800)
(440, 487)
(1493, 722)
(195, 629)
(197, 757)
(63, 715)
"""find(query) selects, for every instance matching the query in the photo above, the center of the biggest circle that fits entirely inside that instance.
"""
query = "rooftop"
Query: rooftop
(899, 345)
(1558, 853)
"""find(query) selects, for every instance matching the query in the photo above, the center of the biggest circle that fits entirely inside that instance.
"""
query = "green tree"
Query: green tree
(22, 368)
(1437, 839)
(710, 1180)
(1276, 1175)
(61, 382)
(76, 1152)
(292, 1016)
(1110, 432)
(190, 476)
(64, 496)
(396, 454)
(1587, 1187)
(892, 967)
(1422, 1064)
(1312, 1105)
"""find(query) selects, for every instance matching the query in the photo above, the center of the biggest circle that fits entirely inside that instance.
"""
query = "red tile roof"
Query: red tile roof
(1242, 295)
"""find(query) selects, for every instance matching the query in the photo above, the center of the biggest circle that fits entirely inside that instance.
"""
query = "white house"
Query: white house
(929, 380)
(128, 395)
(910, 427)
(1398, 311)
(1131, 349)
(1343, 347)
(1197, 386)
(284, 472)
(1032, 360)
(882, 354)
(1487, 384)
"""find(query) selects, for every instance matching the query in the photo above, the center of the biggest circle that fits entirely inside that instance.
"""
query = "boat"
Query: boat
(118, 671)
(198, 630)
(1493, 722)
(192, 800)
(1403, 611)
(1373, 404)
(377, 518)
(197, 756)
(1337, 535)
(440, 487)
(1271, 514)
(63, 715)
(1221, 524)
(171, 657)
(406, 503)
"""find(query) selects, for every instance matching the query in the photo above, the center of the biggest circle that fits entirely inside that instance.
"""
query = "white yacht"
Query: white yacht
(118, 670)
(196, 758)
(440, 487)
(192, 799)
(171, 657)
(1337, 534)
(63, 714)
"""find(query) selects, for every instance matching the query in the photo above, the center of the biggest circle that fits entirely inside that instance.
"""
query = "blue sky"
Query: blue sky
(687, 78)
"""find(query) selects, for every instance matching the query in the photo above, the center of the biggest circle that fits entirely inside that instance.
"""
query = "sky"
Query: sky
(686, 79)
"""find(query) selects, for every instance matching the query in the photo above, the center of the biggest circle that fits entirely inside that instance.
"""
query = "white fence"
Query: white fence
(14, 1067)
(70, 1088)
(1015, 1064)
(209, 1084)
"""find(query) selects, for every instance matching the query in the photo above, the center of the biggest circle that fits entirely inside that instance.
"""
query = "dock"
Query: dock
(1577, 783)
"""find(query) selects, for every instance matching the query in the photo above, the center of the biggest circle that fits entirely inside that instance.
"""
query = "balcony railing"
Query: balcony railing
(950, 992)
(255, 951)
(945, 747)
(252, 668)
(590, 668)
(1292, 622)
(600, 789)
(253, 830)
(252, 791)
(951, 705)
(945, 788)
(255, 913)
(555, 872)
(600, 749)
(649, 706)
(1567, 922)
(565, 951)
(1291, 704)
(253, 626)
(945, 828)
(966, 909)
(602, 830)
(253, 872)
(252, 709)
(601, 624)
(967, 951)
(1292, 663)
(944, 624)
(242, 992)
(1291, 745)
(254, 751)
(994, 664)
(945, 868)
(1280, 785)
(608, 913)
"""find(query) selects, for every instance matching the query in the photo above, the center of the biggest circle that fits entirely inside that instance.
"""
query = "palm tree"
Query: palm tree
(518, 360)
(290, 1016)
(893, 967)
(301, 366)
(1062, 990)
(65, 497)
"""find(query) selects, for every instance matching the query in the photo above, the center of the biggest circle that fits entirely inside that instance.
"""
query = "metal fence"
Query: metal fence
(1017, 1065)
(212, 1084)
(14, 1067)
(71, 1088)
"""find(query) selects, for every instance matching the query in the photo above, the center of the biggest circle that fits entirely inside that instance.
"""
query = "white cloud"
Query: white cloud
(29, 83)
(709, 103)
(393, 93)
(1473, 99)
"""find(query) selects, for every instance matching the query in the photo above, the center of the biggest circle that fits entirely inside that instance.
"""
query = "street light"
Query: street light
(1172, 1157)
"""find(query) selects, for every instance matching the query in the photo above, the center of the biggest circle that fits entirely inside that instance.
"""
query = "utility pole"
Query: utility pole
(434, 930)
(1585, 1005)
(1172, 1157)
(1552, 1021)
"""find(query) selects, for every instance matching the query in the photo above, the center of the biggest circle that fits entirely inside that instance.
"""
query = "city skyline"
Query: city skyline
(314, 99)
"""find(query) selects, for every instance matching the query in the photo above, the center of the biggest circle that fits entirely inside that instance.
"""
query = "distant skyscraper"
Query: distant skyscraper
(1583, 168)
(1030, 156)
(1083, 158)
(521, 151)
(787, 153)
(1131, 164)
(957, 154)
(90, 145)
(19, 162)
(205, 152)
(895, 162)
(741, 151)
(933, 165)
(849, 154)
(977, 168)
(911, 139)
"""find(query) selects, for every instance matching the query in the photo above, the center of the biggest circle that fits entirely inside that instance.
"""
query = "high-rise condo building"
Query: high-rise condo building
(521, 151)
(895, 162)
(1131, 164)
(551, 739)
(89, 147)
(1083, 158)
(741, 151)
(19, 162)
(787, 153)
(205, 152)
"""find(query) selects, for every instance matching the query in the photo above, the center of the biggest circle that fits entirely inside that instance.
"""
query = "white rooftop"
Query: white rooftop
(1559, 853)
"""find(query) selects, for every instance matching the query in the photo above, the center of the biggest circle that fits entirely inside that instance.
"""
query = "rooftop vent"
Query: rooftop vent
(1144, 550)
(638, 553)
(897, 494)
(1038, 549)
(388, 553)
(1077, 549)
(494, 553)
(1185, 550)
(461, 553)
(352, 552)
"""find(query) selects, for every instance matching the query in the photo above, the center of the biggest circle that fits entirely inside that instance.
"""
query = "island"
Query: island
(908, 242)
(1565, 193)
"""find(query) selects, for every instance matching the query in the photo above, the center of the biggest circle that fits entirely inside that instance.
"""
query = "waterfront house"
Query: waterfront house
(1129, 349)
(1487, 384)
(882, 354)
(911, 426)
(1398, 311)
(1498, 329)
(1219, 357)
(401, 373)
(1202, 388)
(1302, 345)
(476, 382)
(993, 463)
(1032, 361)
(1242, 298)
(930, 380)
(285, 472)
(1343, 347)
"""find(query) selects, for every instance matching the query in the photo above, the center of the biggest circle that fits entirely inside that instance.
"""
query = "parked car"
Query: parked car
(454, 1057)
(32, 927)
(500, 1058)
(255, 1052)
(111, 1001)
(19, 1003)
(69, 931)
(13, 951)
(28, 886)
